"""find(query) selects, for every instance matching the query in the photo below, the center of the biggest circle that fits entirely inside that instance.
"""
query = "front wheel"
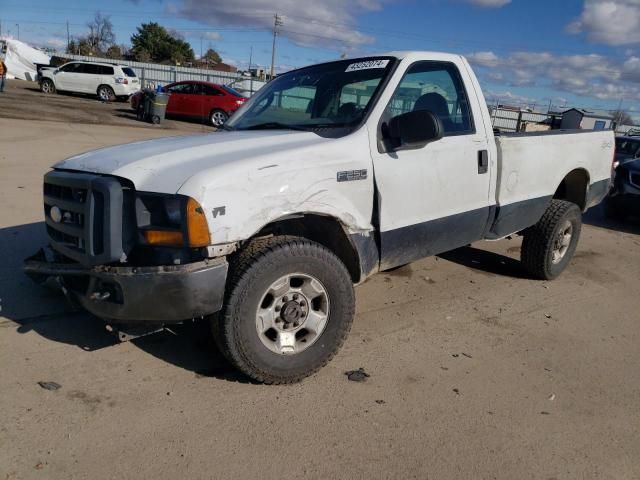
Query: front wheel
(288, 311)
(218, 118)
(47, 86)
(549, 245)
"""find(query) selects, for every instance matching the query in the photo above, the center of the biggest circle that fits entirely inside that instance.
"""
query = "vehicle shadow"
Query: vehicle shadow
(486, 262)
(43, 310)
(596, 217)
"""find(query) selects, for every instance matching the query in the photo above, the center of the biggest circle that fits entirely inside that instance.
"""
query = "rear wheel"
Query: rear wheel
(288, 311)
(218, 118)
(47, 86)
(548, 246)
(106, 93)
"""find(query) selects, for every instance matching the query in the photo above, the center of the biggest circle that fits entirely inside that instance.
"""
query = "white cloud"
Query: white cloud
(489, 3)
(484, 59)
(55, 43)
(307, 22)
(588, 75)
(213, 35)
(613, 22)
(506, 97)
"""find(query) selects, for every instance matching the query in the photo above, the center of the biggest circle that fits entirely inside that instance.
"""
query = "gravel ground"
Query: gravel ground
(24, 101)
(476, 372)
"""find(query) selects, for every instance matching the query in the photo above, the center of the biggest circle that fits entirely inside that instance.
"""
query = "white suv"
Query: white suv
(107, 81)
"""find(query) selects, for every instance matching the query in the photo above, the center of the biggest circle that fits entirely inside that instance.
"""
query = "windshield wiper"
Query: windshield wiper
(275, 126)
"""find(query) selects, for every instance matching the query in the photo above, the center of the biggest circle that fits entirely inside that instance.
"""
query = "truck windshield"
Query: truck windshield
(330, 95)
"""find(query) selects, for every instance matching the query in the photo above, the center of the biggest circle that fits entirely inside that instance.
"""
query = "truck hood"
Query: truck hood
(164, 165)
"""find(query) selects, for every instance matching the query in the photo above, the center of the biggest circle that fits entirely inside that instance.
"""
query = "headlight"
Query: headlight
(171, 221)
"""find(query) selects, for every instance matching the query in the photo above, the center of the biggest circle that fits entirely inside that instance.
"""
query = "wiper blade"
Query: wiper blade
(275, 126)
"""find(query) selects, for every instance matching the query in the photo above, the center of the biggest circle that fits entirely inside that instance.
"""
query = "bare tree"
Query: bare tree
(622, 118)
(101, 35)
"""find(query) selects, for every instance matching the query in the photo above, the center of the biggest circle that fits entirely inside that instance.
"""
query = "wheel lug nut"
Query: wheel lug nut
(295, 296)
(285, 299)
(277, 308)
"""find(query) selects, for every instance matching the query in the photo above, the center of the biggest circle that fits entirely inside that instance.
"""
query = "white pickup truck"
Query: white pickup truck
(329, 174)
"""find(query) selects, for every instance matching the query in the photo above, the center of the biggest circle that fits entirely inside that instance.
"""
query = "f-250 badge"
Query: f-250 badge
(352, 175)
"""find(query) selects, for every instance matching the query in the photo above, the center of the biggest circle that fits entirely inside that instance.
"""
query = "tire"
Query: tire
(106, 93)
(218, 118)
(549, 245)
(155, 119)
(241, 331)
(47, 86)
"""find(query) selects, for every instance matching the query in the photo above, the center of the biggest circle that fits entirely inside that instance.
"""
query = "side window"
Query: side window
(129, 72)
(105, 70)
(211, 91)
(600, 124)
(181, 88)
(71, 68)
(196, 89)
(438, 88)
(90, 68)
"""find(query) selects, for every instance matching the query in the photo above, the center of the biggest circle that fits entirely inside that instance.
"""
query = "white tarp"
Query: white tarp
(20, 59)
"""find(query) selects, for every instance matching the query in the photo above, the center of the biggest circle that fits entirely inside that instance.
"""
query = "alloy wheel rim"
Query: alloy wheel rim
(562, 242)
(218, 119)
(292, 314)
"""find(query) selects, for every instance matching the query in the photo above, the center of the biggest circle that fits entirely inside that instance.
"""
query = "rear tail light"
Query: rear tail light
(122, 81)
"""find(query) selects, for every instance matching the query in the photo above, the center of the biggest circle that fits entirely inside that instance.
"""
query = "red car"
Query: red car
(199, 100)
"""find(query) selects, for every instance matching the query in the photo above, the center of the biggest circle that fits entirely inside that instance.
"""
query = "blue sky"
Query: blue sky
(568, 52)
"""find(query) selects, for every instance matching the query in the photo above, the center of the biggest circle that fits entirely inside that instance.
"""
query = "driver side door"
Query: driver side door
(435, 198)
(68, 77)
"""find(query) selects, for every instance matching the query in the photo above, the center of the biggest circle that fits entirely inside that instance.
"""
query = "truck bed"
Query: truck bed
(528, 174)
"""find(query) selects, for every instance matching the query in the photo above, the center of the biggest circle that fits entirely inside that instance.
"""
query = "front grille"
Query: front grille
(83, 216)
(635, 179)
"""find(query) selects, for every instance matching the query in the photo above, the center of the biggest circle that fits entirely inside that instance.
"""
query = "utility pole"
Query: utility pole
(18, 25)
(277, 23)
(250, 72)
(68, 37)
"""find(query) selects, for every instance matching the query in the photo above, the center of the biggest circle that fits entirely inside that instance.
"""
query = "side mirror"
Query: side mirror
(414, 129)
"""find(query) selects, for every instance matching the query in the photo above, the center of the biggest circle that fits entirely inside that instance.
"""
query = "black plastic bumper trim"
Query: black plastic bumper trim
(163, 294)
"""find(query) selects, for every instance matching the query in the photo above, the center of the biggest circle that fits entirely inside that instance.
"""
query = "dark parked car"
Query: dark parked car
(201, 100)
(624, 199)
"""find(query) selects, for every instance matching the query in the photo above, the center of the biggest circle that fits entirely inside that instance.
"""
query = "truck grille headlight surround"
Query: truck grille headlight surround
(171, 221)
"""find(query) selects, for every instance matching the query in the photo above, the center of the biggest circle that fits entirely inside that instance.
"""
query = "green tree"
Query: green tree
(80, 46)
(114, 52)
(154, 42)
(212, 56)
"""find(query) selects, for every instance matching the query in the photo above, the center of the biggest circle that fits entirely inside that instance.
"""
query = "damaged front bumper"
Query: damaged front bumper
(157, 294)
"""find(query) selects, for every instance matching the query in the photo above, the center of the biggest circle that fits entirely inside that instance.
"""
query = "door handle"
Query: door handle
(483, 162)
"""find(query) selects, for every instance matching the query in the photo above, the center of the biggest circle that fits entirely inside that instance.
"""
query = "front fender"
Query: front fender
(333, 179)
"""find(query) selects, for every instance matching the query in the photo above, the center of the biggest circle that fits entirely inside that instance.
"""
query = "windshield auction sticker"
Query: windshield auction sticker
(354, 67)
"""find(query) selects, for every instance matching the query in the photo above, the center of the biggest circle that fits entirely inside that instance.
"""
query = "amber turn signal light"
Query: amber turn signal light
(164, 238)
(197, 227)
